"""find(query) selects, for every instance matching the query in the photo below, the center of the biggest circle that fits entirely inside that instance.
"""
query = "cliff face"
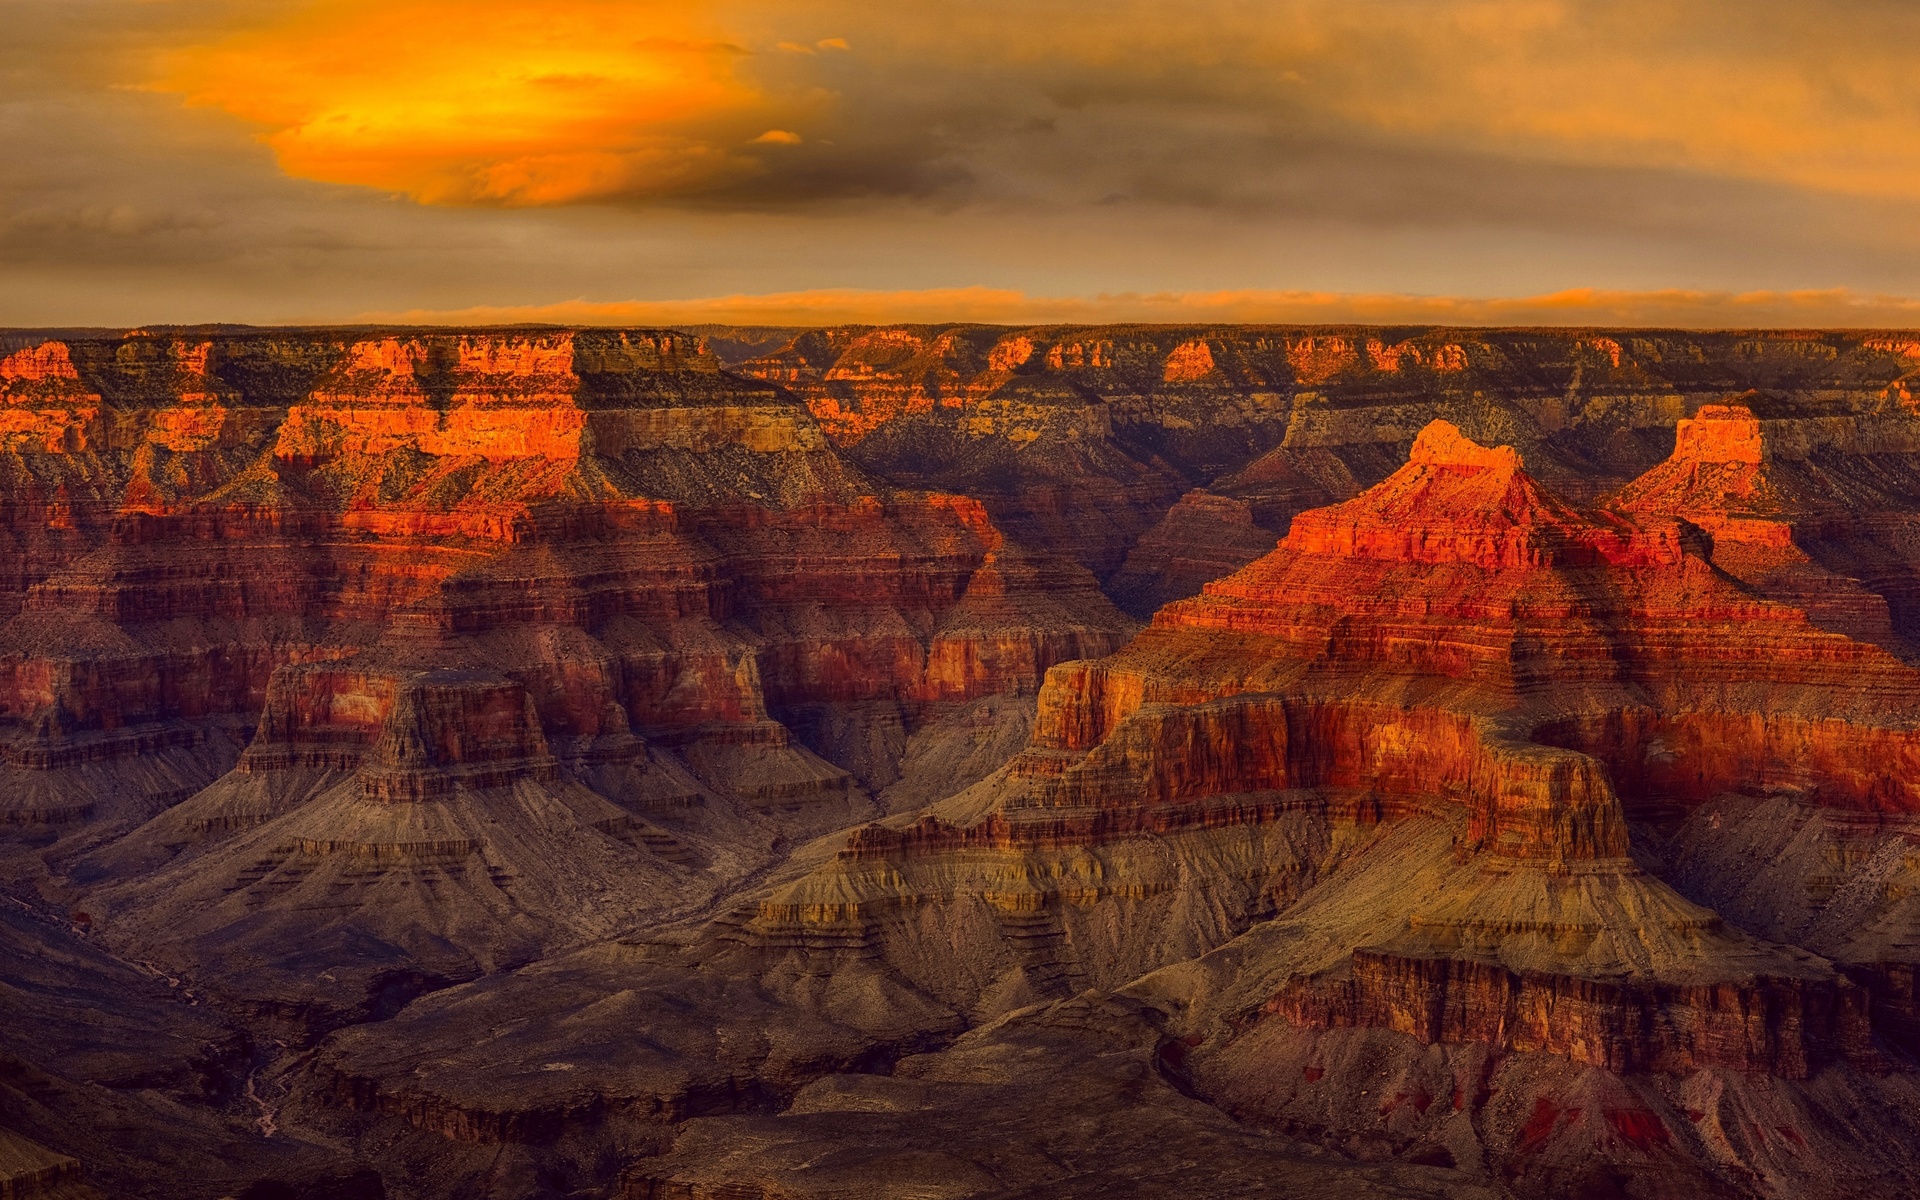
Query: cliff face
(1127, 419)
(439, 587)
(572, 749)
(303, 497)
(1451, 697)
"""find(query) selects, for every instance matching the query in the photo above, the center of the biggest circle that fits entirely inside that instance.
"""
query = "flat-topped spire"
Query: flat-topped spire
(1441, 444)
(1720, 433)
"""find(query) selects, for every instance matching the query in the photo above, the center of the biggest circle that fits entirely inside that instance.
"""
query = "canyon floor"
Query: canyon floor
(959, 762)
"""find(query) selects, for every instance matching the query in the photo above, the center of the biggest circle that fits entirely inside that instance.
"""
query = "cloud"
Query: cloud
(1813, 96)
(1052, 148)
(487, 101)
(497, 101)
(1674, 308)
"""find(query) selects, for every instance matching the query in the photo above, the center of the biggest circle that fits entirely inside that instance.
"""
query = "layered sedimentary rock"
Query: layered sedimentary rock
(552, 762)
(1139, 415)
(1402, 733)
(1815, 511)
(1203, 537)
(441, 588)
(462, 484)
(1428, 695)
(426, 832)
(1546, 629)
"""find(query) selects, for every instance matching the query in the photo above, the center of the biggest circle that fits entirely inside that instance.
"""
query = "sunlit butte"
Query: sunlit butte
(485, 101)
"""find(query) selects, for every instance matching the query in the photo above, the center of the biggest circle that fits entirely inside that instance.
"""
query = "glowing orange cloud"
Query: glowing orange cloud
(505, 101)
(489, 101)
(1675, 308)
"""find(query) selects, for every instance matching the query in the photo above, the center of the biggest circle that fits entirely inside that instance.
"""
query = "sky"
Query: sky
(1681, 162)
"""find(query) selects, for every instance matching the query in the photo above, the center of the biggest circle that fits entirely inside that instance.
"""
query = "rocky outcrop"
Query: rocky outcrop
(1009, 415)
(480, 484)
(29, 1171)
(422, 812)
(478, 641)
(1202, 538)
(1789, 1026)
(1447, 698)
(1077, 441)
(576, 747)
(1811, 511)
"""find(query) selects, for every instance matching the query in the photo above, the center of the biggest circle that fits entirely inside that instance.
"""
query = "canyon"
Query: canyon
(959, 761)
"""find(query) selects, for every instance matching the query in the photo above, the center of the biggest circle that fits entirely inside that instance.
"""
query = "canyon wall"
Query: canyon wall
(579, 753)
(1128, 419)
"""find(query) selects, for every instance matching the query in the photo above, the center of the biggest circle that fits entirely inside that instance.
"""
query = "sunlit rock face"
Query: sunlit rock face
(1488, 688)
(378, 608)
(1084, 440)
(306, 497)
(543, 762)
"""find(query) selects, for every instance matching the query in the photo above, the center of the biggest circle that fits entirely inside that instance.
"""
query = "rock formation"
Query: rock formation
(545, 763)
(1475, 664)
(390, 609)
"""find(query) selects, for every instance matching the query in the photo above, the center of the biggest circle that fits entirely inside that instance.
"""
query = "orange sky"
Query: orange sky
(322, 159)
(475, 101)
(1675, 308)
